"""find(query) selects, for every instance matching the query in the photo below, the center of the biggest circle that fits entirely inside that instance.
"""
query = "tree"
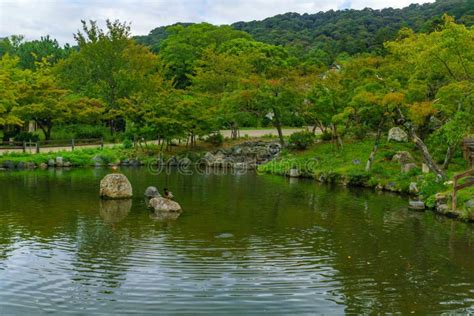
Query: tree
(427, 65)
(186, 44)
(328, 100)
(279, 98)
(13, 82)
(109, 66)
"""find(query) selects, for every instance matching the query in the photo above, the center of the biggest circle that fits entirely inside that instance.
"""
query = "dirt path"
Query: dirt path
(253, 133)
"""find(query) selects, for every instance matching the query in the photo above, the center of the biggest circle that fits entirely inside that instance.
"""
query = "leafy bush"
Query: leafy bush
(215, 139)
(358, 178)
(26, 137)
(127, 143)
(430, 185)
(326, 135)
(301, 140)
(89, 131)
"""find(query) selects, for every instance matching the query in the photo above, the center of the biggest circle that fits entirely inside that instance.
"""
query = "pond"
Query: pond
(245, 243)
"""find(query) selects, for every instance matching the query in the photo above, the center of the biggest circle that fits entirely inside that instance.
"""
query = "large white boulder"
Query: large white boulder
(115, 186)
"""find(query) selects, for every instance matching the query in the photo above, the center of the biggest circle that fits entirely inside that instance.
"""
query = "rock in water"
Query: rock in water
(160, 204)
(397, 134)
(417, 205)
(152, 192)
(115, 186)
(413, 188)
(294, 173)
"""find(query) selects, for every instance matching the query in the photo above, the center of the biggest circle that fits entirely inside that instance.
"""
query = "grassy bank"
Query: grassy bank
(115, 155)
(324, 163)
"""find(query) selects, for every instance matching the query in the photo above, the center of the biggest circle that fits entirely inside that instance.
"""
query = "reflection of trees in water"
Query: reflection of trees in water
(384, 257)
(103, 247)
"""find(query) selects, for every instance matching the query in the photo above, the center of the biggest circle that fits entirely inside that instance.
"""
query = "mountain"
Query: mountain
(350, 31)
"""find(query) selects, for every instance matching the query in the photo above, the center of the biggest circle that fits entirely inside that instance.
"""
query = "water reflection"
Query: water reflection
(114, 211)
(165, 216)
(243, 244)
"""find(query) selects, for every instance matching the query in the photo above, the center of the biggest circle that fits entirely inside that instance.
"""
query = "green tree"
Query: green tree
(109, 66)
(13, 82)
(186, 44)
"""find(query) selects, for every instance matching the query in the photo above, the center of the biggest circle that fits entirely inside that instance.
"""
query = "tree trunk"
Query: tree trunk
(46, 128)
(368, 166)
(320, 125)
(428, 160)
(448, 157)
(427, 156)
(277, 124)
(337, 137)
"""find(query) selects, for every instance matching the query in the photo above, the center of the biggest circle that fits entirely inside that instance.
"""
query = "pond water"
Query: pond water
(244, 244)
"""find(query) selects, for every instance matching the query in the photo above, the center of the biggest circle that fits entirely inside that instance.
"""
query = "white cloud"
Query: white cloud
(61, 18)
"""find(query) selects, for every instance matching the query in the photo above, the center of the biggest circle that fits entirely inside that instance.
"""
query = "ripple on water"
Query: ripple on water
(341, 252)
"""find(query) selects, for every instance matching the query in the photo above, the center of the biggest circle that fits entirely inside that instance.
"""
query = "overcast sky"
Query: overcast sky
(61, 18)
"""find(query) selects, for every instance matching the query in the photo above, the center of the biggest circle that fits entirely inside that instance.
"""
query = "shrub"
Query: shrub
(89, 131)
(358, 178)
(127, 143)
(326, 135)
(215, 139)
(26, 137)
(301, 140)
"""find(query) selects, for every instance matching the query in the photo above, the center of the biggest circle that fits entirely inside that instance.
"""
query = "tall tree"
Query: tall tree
(109, 65)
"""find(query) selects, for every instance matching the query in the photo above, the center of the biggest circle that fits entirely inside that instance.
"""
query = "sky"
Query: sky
(61, 18)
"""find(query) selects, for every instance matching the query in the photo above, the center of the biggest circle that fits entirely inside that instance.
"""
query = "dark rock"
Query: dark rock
(31, 165)
(152, 192)
(356, 162)
(8, 164)
(135, 163)
(59, 161)
(21, 165)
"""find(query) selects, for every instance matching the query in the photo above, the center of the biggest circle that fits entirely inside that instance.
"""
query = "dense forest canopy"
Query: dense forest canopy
(333, 32)
(202, 78)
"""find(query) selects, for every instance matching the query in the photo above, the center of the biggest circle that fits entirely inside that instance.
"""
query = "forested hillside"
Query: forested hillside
(334, 32)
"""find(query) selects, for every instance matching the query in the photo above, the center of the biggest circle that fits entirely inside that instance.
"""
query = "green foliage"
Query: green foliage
(185, 45)
(127, 143)
(216, 139)
(26, 137)
(301, 140)
(430, 185)
(326, 135)
(320, 38)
